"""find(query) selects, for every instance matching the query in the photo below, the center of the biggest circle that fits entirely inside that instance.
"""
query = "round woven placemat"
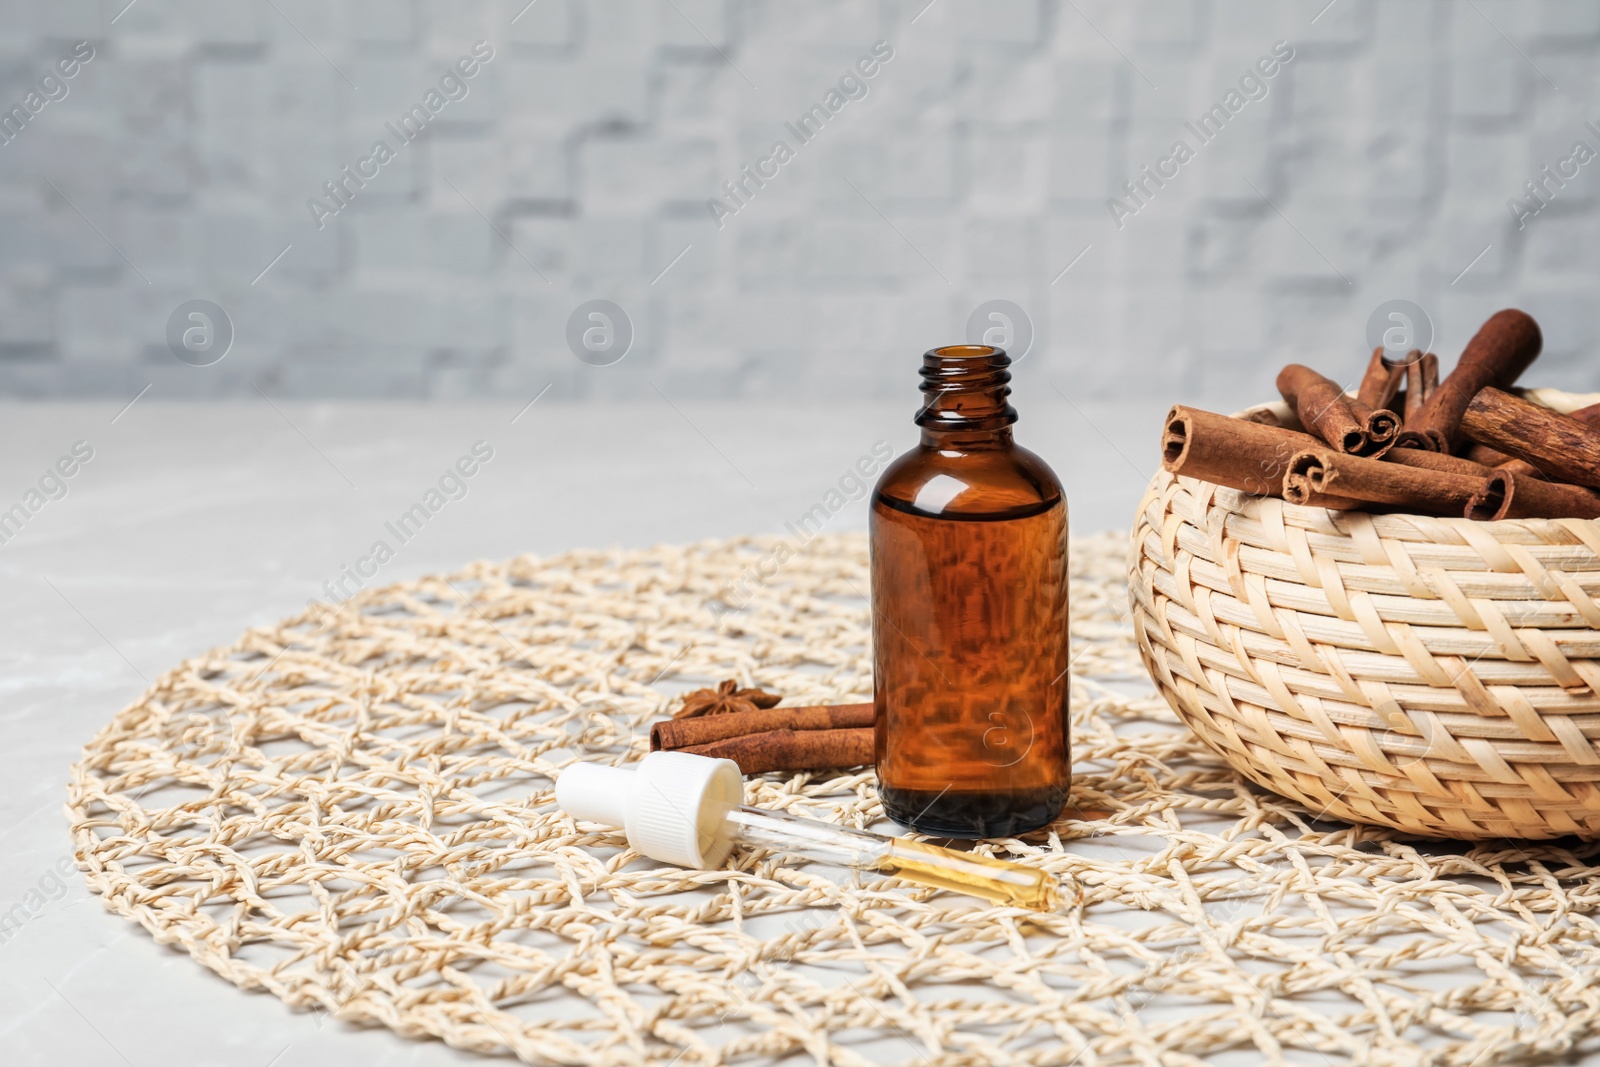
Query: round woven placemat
(356, 815)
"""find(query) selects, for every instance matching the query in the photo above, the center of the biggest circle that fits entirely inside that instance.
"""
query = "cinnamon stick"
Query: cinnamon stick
(1297, 489)
(1438, 461)
(1489, 457)
(1247, 456)
(1383, 380)
(1490, 503)
(1499, 352)
(1422, 378)
(1421, 373)
(1414, 439)
(1560, 445)
(1381, 426)
(1328, 473)
(1589, 416)
(1322, 408)
(1533, 498)
(793, 750)
(683, 733)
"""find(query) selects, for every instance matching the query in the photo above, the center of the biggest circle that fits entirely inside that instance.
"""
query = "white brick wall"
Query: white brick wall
(977, 166)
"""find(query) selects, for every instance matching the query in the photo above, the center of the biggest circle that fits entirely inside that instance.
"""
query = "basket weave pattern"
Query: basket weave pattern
(1437, 676)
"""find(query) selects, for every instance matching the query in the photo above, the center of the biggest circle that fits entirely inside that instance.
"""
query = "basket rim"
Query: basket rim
(1333, 521)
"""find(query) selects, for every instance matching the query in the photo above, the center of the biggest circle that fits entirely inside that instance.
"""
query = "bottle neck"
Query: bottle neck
(966, 440)
(966, 387)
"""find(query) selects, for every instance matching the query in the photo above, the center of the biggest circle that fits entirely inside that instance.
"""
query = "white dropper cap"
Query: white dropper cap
(672, 805)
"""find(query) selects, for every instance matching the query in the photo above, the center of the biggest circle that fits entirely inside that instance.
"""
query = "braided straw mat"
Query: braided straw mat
(357, 817)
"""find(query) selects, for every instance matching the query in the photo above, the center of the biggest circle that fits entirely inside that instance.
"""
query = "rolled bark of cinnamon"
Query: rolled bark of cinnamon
(683, 733)
(1382, 428)
(1491, 502)
(1297, 489)
(792, 750)
(1437, 461)
(1329, 473)
(1414, 439)
(1489, 457)
(1498, 353)
(1383, 380)
(1485, 505)
(1422, 378)
(1322, 408)
(1247, 456)
(1559, 445)
(1534, 498)
(1589, 416)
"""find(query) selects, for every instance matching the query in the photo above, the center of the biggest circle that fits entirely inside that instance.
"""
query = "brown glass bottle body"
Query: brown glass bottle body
(969, 590)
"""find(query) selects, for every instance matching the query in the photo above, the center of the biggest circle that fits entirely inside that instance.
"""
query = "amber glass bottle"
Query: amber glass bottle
(969, 629)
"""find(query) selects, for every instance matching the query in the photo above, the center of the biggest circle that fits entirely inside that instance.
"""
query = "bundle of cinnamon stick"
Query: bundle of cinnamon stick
(761, 739)
(1405, 440)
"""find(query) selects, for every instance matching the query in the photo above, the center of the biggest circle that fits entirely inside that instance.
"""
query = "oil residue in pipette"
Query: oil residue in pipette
(991, 879)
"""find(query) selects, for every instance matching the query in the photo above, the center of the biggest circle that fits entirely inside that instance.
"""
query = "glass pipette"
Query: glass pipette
(681, 808)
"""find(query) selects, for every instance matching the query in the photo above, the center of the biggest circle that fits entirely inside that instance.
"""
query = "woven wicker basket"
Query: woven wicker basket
(1437, 676)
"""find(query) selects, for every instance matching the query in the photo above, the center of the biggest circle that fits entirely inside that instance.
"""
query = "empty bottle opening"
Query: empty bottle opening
(965, 351)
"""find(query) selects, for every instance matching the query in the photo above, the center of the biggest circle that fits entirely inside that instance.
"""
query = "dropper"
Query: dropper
(681, 808)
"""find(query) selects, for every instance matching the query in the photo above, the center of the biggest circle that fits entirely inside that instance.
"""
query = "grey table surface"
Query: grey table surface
(192, 522)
